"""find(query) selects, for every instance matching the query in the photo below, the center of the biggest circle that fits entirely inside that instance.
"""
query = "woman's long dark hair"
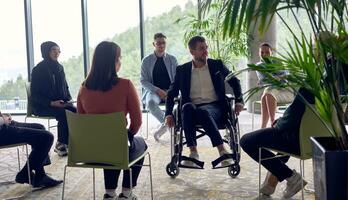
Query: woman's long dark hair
(102, 75)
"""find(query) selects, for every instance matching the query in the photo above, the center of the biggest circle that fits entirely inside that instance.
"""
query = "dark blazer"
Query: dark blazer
(182, 83)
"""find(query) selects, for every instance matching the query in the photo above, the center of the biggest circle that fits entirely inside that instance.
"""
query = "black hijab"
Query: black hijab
(56, 69)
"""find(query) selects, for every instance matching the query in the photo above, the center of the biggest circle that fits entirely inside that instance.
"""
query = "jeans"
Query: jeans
(206, 115)
(59, 114)
(33, 134)
(137, 148)
(274, 139)
(153, 101)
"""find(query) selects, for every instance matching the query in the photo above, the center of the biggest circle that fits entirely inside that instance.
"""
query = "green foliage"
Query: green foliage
(211, 27)
(317, 67)
(11, 89)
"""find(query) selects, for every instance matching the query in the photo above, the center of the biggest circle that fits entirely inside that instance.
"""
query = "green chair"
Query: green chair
(19, 164)
(310, 126)
(100, 141)
(30, 113)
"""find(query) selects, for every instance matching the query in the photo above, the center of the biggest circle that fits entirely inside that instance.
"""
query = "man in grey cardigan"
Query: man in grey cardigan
(157, 73)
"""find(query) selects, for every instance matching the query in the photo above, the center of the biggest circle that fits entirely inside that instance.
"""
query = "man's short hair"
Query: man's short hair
(194, 40)
(159, 35)
(265, 44)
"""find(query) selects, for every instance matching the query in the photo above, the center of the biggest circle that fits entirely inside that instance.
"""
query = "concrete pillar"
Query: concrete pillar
(255, 39)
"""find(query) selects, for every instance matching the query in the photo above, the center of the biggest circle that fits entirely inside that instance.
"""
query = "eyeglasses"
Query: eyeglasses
(160, 43)
(56, 49)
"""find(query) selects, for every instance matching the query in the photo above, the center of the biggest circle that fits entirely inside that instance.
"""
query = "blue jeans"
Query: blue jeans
(152, 102)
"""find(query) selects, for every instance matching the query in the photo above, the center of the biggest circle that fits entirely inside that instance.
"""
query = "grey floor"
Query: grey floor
(190, 184)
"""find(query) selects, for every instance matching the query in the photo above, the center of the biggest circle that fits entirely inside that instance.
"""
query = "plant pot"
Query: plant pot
(330, 169)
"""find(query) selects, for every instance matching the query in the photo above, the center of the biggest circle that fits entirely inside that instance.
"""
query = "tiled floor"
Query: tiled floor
(190, 184)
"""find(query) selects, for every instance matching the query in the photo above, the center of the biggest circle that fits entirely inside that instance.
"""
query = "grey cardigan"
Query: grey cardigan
(147, 66)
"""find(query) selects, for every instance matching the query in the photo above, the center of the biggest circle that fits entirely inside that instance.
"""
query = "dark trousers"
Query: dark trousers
(274, 139)
(206, 115)
(33, 134)
(137, 148)
(59, 114)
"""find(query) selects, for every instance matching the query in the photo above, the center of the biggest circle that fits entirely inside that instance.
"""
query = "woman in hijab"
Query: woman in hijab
(50, 94)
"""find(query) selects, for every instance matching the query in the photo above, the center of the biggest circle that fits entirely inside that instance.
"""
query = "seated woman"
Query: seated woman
(104, 92)
(283, 136)
(40, 140)
(271, 96)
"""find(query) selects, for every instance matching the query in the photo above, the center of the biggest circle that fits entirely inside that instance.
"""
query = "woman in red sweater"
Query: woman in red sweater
(104, 92)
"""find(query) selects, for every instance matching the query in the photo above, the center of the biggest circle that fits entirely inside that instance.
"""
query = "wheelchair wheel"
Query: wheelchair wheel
(172, 170)
(233, 170)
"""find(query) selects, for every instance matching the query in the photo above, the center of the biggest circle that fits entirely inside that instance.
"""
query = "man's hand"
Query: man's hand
(238, 108)
(169, 120)
(58, 104)
(162, 93)
(7, 118)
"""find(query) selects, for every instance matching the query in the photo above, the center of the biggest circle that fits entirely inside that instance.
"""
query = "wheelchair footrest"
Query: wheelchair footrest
(218, 161)
(199, 164)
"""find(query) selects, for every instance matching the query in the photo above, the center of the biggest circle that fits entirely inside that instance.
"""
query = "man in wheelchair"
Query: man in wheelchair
(201, 83)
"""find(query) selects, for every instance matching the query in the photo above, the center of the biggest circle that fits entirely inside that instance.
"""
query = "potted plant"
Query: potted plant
(315, 61)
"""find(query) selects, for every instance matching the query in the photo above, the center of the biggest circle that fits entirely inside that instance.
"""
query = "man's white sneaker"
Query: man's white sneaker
(269, 185)
(190, 163)
(160, 131)
(293, 185)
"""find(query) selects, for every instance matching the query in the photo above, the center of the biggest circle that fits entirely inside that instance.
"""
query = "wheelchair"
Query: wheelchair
(231, 126)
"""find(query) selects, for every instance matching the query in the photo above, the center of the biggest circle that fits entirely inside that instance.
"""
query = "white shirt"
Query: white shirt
(202, 88)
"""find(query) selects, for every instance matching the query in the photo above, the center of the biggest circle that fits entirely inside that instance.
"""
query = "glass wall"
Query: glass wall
(60, 21)
(161, 16)
(283, 33)
(119, 22)
(13, 63)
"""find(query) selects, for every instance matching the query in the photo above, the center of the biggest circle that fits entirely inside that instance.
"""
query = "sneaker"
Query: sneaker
(190, 163)
(130, 197)
(45, 182)
(160, 131)
(109, 197)
(269, 185)
(293, 185)
(226, 162)
(61, 149)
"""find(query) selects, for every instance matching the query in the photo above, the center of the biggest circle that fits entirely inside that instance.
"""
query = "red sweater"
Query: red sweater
(121, 98)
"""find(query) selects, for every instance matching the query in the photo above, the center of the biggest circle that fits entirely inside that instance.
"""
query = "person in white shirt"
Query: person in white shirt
(201, 83)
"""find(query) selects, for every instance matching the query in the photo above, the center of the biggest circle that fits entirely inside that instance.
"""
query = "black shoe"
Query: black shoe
(23, 177)
(45, 182)
(108, 197)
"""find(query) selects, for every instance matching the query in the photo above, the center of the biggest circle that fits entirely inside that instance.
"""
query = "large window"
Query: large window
(161, 16)
(118, 22)
(13, 62)
(60, 21)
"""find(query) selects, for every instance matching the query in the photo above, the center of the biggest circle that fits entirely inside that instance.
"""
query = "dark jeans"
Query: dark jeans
(33, 134)
(274, 139)
(206, 115)
(59, 114)
(137, 148)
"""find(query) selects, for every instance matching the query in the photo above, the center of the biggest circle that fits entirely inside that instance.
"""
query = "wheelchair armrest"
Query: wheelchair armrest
(229, 97)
